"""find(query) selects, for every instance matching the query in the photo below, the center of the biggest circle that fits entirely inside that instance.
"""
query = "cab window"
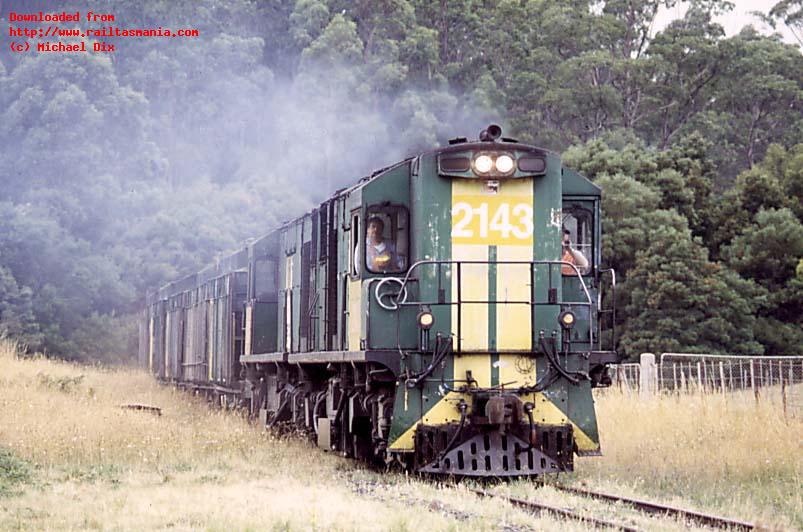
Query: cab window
(386, 239)
(577, 238)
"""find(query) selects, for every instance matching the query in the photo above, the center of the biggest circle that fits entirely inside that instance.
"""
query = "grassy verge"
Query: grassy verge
(722, 451)
(71, 458)
(14, 473)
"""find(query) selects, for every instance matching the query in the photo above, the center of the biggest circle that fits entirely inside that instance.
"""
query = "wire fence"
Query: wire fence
(693, 372)
(704, 373)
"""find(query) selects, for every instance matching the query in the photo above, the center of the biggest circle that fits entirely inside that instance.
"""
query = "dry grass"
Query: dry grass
(71, 459)
(80, 462)
(724, 452)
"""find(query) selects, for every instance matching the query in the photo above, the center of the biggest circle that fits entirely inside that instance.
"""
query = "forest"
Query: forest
(122, 171)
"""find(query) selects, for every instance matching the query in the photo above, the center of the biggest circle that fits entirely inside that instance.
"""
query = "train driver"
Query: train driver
(380, 253)
(572, 256)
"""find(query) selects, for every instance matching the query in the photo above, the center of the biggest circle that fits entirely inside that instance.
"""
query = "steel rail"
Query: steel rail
(563, 512)
(656, 508)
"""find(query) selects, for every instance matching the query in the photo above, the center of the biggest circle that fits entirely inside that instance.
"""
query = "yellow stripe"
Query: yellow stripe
(249, 318)
(473, 287)
(355, 314)
(513, 329)
(479, 364)
(513, 280)
(445, 411)
(545, 411)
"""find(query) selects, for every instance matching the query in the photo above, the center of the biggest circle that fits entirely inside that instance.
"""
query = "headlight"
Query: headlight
(504, 163)
(425, 319)
(566, 319)
(483, 164)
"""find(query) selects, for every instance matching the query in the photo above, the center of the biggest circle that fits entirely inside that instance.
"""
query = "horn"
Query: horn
(491, 133)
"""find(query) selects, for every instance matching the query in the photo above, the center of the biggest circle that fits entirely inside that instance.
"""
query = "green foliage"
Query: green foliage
(13, 473)
(61, 384)
(769, 249)
(679, 301)
(673, 297)
(120, 173)
(337, 45)
(624, 224)
(307, 21)
(17, 318)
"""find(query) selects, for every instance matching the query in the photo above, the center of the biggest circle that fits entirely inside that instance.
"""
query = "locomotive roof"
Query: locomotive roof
(503, 145)
(573, 184)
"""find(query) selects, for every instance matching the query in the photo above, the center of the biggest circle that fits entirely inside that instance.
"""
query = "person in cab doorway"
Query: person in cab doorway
(572, 256)
(380, 254)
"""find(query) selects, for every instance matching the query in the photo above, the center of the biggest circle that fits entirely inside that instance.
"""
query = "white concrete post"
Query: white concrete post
(648, 376)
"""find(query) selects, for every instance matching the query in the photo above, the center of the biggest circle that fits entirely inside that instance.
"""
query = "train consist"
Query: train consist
(443, 314)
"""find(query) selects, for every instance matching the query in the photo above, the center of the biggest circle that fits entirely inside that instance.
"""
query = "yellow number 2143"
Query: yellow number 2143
(491, 221)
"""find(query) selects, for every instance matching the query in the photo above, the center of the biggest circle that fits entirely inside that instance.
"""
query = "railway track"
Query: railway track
(556, 510)
(637, 504)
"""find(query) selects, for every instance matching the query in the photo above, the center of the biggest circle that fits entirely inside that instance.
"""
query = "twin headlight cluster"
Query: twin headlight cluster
(491, 164)
(485, 164)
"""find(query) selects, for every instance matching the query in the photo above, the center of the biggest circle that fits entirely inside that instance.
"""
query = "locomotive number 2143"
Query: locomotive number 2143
(491, 221)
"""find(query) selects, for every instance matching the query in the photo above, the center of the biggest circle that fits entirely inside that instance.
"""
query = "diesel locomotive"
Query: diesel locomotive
(444, 313)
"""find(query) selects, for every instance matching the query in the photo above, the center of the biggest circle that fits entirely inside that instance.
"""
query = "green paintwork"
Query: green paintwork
(417, 185)
(432, 222)
(576, 185)
(263, 316)
(388, 329)
(431, 227)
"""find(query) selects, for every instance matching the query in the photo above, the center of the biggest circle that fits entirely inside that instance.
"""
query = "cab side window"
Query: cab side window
(578, 245)
(386, 239)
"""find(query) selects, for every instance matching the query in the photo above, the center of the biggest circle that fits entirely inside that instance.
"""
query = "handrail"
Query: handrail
(532, 302)
(612, 309)
(530, 262)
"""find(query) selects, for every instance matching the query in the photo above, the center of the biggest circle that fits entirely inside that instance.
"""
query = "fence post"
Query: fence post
(675, 377)
(721, 377)
(648, 375)
(753, 379)
(783, 395)
(730, 374)
(699, 378)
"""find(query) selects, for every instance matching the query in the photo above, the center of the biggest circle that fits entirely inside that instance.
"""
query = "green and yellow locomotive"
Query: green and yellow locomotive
(443, 313)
